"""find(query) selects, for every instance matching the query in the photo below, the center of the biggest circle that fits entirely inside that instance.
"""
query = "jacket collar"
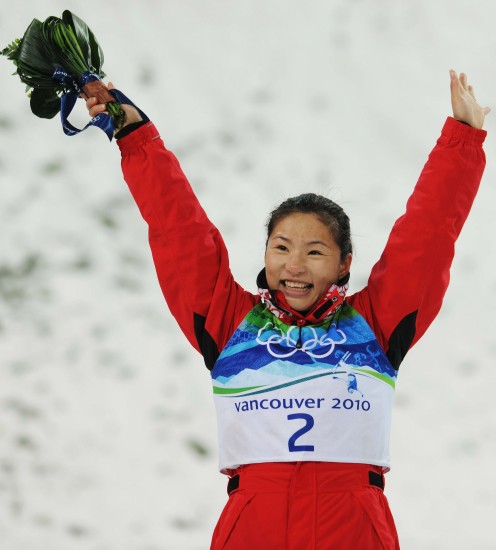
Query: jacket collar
(326, 306)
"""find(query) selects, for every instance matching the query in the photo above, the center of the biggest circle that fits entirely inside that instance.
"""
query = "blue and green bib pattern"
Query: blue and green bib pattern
(262, 356)
(318, 392)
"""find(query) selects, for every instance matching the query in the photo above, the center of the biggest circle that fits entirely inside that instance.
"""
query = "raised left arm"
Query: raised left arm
(408, 283)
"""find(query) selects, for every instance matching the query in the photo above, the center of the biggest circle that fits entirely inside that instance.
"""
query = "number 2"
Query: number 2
(309, 422)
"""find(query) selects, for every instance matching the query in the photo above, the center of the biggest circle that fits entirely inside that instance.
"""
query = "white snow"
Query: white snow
(107, 427)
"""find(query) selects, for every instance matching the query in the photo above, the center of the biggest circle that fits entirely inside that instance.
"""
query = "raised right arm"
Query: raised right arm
(190, 257)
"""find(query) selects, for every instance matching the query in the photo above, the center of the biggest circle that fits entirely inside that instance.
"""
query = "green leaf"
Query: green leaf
(80, 30)
(11, 50)
(87, 41)
(47, 31)
(32, 58)
(44, 103)
(63, 47)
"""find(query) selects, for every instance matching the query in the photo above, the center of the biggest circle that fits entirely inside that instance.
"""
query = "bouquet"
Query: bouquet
(59, 59)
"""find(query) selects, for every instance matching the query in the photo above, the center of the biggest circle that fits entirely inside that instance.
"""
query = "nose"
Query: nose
(295, 264)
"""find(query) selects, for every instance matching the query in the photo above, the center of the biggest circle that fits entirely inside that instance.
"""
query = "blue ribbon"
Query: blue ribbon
(68, 100)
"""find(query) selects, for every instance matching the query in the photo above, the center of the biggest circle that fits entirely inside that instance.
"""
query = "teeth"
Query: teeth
(292, 284)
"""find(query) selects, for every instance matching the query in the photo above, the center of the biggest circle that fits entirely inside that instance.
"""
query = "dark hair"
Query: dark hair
(328, 212)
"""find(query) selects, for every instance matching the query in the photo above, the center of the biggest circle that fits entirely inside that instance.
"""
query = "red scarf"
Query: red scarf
(327, 305)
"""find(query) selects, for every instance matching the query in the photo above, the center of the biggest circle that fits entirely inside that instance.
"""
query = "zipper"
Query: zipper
(299, 343)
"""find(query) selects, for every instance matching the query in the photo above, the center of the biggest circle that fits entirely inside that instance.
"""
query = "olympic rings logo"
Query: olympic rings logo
(288, 341)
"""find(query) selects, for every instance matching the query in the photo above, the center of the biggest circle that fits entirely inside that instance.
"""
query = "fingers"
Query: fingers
(460, 84)
(95, 108)
(456, 87)
(463, 101)
(467, 87)
(463, 83)
(460, 80)
(456, 84)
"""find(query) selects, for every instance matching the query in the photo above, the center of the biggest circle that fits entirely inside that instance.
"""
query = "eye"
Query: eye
(281, 247)
(315, 253)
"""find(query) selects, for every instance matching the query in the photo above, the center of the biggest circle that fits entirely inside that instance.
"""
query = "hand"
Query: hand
(465, 107)
(95, 108)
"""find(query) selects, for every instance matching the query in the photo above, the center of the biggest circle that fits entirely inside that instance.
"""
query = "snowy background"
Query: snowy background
(107, 428)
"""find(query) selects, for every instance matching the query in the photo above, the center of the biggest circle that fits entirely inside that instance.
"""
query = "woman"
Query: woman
(303, 375)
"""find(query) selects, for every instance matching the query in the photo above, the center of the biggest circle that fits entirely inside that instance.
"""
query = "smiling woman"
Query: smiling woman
(302, 260)
(303, 375)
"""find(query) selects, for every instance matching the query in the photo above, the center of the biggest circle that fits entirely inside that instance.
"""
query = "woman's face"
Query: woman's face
(302, 260)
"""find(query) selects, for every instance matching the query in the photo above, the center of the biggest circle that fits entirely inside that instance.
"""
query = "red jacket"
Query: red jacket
(406, 286)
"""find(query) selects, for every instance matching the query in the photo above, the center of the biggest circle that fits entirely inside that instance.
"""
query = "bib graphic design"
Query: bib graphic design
(262, 354)
(303, 393)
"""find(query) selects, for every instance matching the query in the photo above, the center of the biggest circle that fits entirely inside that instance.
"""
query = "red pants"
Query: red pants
(306, 506)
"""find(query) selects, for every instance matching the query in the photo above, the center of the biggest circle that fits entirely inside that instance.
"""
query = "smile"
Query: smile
(293, 285)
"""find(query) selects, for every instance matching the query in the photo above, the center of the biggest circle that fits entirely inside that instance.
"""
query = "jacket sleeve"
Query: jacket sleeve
(407, 285)
(190, 257)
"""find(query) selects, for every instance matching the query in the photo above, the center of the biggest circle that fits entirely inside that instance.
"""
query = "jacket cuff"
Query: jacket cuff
(129, 128)
(455, 129)
(138, 137)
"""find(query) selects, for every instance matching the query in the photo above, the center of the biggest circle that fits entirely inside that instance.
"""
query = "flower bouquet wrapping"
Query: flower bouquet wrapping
(58, 60)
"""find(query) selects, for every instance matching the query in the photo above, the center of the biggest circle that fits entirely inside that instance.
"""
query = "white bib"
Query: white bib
(330, 399)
